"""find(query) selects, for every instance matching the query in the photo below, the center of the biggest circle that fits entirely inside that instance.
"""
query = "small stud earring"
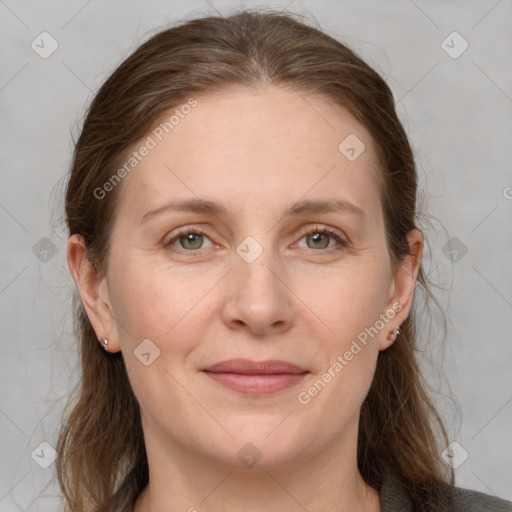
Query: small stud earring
(104, 343)
(393, 336)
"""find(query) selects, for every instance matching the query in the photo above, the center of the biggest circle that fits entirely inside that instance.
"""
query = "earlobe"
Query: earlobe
(91, 285)
(392, 336)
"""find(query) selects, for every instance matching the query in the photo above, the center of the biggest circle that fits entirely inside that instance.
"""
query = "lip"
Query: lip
(255, 377)
(248, 367)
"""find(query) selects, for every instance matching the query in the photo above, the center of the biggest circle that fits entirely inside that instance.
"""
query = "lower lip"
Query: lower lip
(257, 384)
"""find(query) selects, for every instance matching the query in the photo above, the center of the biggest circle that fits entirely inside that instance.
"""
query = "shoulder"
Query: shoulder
(465, 500)
(395, 498)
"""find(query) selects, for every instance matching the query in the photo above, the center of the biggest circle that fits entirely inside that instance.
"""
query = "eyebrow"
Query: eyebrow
(218, 210)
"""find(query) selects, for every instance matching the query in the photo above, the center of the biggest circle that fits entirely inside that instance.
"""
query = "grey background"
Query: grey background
(457, 112)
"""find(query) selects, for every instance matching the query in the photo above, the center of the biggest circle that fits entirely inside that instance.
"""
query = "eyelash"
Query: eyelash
(310, 231)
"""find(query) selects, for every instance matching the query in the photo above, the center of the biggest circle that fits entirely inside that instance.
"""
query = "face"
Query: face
(277, 252)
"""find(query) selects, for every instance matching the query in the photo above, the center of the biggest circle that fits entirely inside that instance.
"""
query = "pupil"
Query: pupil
(193, 239)
(317, 239)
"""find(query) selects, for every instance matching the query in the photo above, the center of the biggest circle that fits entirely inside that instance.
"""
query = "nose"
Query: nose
(258, 300)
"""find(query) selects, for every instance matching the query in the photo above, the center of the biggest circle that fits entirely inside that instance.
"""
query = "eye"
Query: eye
(322, 238)
(189, 240)
(192, 240)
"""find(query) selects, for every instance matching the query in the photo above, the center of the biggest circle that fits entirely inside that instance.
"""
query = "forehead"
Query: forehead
(255, 148)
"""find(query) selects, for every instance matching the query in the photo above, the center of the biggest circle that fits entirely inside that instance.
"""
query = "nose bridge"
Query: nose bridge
(259, 297)
(256, 272)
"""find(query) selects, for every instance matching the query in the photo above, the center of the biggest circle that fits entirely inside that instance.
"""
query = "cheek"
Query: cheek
(346, 299)
(153, 301)
(168, 307)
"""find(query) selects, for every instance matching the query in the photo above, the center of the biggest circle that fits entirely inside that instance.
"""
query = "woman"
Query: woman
(241, 210)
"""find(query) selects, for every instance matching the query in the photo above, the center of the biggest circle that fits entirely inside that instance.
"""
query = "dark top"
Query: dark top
(393, 497)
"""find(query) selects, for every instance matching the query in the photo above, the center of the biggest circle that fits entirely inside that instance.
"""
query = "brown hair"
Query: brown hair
(101, 454)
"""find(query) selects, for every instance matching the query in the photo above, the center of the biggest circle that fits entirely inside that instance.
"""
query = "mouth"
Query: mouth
(256, 377)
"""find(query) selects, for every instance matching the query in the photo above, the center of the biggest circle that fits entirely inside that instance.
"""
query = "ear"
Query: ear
(92, 286)
(402, 288)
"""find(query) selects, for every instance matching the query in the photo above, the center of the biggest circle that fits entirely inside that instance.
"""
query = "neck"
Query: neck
(328, 481)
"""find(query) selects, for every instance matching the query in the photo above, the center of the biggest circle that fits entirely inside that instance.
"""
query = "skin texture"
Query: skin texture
(303, 300)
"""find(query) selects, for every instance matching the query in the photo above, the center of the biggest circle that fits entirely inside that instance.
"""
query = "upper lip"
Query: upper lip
(248, 367)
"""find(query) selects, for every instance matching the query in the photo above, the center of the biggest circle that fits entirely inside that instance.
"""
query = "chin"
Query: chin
(264, 442)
